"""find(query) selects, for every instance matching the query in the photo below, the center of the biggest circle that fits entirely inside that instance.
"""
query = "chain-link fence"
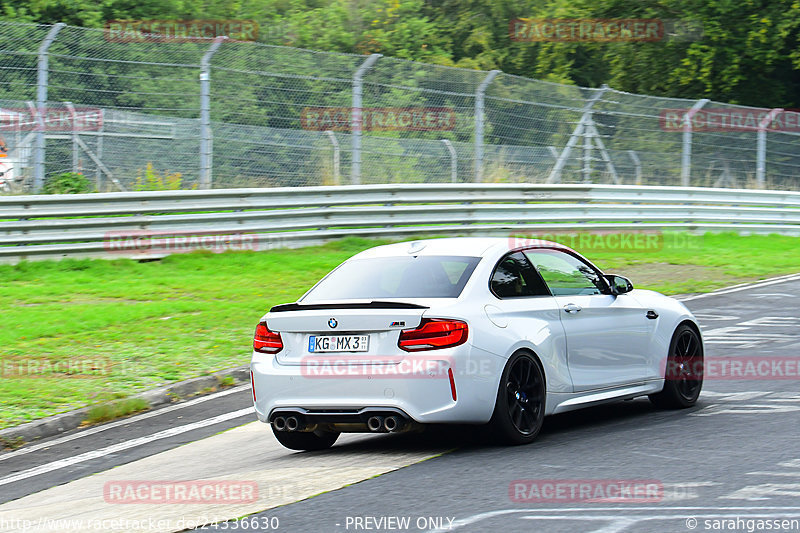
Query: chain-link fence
(221, 113)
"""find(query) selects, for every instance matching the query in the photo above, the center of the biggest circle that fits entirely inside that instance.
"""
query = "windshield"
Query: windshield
(396, 277)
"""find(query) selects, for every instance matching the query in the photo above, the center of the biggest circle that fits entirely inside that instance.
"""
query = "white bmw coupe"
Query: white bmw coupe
(488, 331)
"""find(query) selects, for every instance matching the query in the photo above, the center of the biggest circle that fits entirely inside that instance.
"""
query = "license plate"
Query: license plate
(338, 343)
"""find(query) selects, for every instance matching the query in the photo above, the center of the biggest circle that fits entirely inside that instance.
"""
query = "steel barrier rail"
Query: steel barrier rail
(100, 225)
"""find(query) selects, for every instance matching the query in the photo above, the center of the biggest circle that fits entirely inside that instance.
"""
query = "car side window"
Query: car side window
(565, 274)
(515, 277)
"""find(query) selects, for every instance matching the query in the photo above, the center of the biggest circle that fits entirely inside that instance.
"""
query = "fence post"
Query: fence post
(580, 129)
(686, 155)
(453, 161)
(99, 173)
(206, 155)
(41, 101)
(761, 152)
(587, 154)
(356, 120)
(479, 120)
(637, 166)
(75, 148)
(337, 177)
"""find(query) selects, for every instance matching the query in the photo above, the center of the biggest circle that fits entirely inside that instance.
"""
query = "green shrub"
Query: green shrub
(152, 180)
(67, 183)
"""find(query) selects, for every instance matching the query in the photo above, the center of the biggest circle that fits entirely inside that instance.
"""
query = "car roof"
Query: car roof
(456, 246)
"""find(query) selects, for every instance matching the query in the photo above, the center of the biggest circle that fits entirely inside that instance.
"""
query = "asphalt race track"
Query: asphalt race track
(731, 463)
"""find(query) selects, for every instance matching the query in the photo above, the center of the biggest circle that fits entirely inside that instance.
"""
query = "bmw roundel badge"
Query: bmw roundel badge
(332, 323)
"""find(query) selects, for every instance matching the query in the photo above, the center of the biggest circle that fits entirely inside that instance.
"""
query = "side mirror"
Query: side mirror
(619, 284)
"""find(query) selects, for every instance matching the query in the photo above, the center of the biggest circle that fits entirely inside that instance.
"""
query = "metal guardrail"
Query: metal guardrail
(155, 224)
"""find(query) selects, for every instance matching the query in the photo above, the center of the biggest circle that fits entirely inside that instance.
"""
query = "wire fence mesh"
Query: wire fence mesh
(221, 113)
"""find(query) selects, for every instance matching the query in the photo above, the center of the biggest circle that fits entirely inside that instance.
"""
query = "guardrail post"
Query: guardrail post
(686, 154)
(337, 177)
(453, 161)
(356, 120)
(41, 100)
(761, 152)
(580, 129)
(206, 154)
(479, 122)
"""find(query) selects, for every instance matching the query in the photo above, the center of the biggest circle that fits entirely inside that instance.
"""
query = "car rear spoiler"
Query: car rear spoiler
(346, 305)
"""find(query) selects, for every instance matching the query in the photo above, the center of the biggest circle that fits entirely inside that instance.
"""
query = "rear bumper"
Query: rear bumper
(424, 399)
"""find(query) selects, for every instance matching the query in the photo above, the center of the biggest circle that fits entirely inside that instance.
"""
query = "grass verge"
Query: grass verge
(104, 412)
(80, 331)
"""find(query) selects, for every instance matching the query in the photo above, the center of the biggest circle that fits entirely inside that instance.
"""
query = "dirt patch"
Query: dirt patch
(659, 274)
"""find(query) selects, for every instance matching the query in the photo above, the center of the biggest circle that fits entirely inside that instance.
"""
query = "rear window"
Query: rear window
(396, 277)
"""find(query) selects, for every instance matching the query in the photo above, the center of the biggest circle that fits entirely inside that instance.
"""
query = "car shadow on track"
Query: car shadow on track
(617, 416)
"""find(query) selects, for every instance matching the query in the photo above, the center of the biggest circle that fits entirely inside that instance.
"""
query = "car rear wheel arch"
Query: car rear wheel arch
(501, 426)
(535, 358)
(528, 351)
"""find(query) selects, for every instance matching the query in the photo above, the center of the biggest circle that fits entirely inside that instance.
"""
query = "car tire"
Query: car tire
(519, 408)
(306, 440)
(683, 376)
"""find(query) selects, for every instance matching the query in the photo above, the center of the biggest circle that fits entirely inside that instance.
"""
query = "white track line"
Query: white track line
(120, 446)
(743, 287)
(121, 422)
(491, 514)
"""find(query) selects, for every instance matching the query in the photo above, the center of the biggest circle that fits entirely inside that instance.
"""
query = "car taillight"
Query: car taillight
(433, 334)
(266, 341)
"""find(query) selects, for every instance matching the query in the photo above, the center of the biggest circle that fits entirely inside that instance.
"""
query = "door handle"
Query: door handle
(572, 308)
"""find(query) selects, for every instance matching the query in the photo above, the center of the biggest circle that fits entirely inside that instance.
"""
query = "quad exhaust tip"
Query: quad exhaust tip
(392, 423)
(383, 423)
(375, 423)
(388, 424)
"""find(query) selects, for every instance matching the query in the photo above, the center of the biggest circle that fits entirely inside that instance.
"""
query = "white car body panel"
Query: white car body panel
(597, 357)
(608, 351)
